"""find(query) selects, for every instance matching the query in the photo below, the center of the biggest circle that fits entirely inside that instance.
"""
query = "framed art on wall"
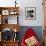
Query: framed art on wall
(5, 12)
(30, 13)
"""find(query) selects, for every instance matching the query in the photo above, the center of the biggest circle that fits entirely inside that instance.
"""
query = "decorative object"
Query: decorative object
(15, 37)
(15, 3)
(30, 38)
(13, 12)
(6, 21)
(30, 13)
(7, 34)
(5, 12)
(15, 30)
(31, 41)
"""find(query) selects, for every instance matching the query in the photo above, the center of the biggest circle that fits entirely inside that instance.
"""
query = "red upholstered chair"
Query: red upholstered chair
(28, 34)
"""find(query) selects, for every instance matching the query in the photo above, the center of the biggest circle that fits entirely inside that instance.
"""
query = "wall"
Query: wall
(27, 3)
(39, 13)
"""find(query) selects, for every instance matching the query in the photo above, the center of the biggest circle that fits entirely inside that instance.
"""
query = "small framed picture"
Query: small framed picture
(5, 12)
(30, 13)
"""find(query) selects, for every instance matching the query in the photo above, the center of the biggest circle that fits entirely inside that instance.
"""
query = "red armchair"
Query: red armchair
(29, 36)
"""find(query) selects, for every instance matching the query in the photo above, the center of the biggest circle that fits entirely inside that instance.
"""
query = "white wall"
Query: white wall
(39, 13)
(27, 3)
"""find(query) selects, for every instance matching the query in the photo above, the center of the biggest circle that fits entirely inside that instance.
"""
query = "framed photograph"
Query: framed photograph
(5, 12)
(30, 13)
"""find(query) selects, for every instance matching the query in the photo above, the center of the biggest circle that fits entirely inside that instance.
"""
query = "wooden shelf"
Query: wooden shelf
(11, 26)
(3, 8)
(9, 43)
(9, 9)
(4, 13)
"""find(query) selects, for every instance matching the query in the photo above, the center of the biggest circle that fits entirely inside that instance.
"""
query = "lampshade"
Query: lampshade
(15, 30)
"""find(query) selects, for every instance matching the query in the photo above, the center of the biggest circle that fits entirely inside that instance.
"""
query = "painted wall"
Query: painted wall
(27, 3)
(39, 13)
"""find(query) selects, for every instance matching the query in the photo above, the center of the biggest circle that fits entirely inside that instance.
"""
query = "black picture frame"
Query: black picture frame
(30, 13)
